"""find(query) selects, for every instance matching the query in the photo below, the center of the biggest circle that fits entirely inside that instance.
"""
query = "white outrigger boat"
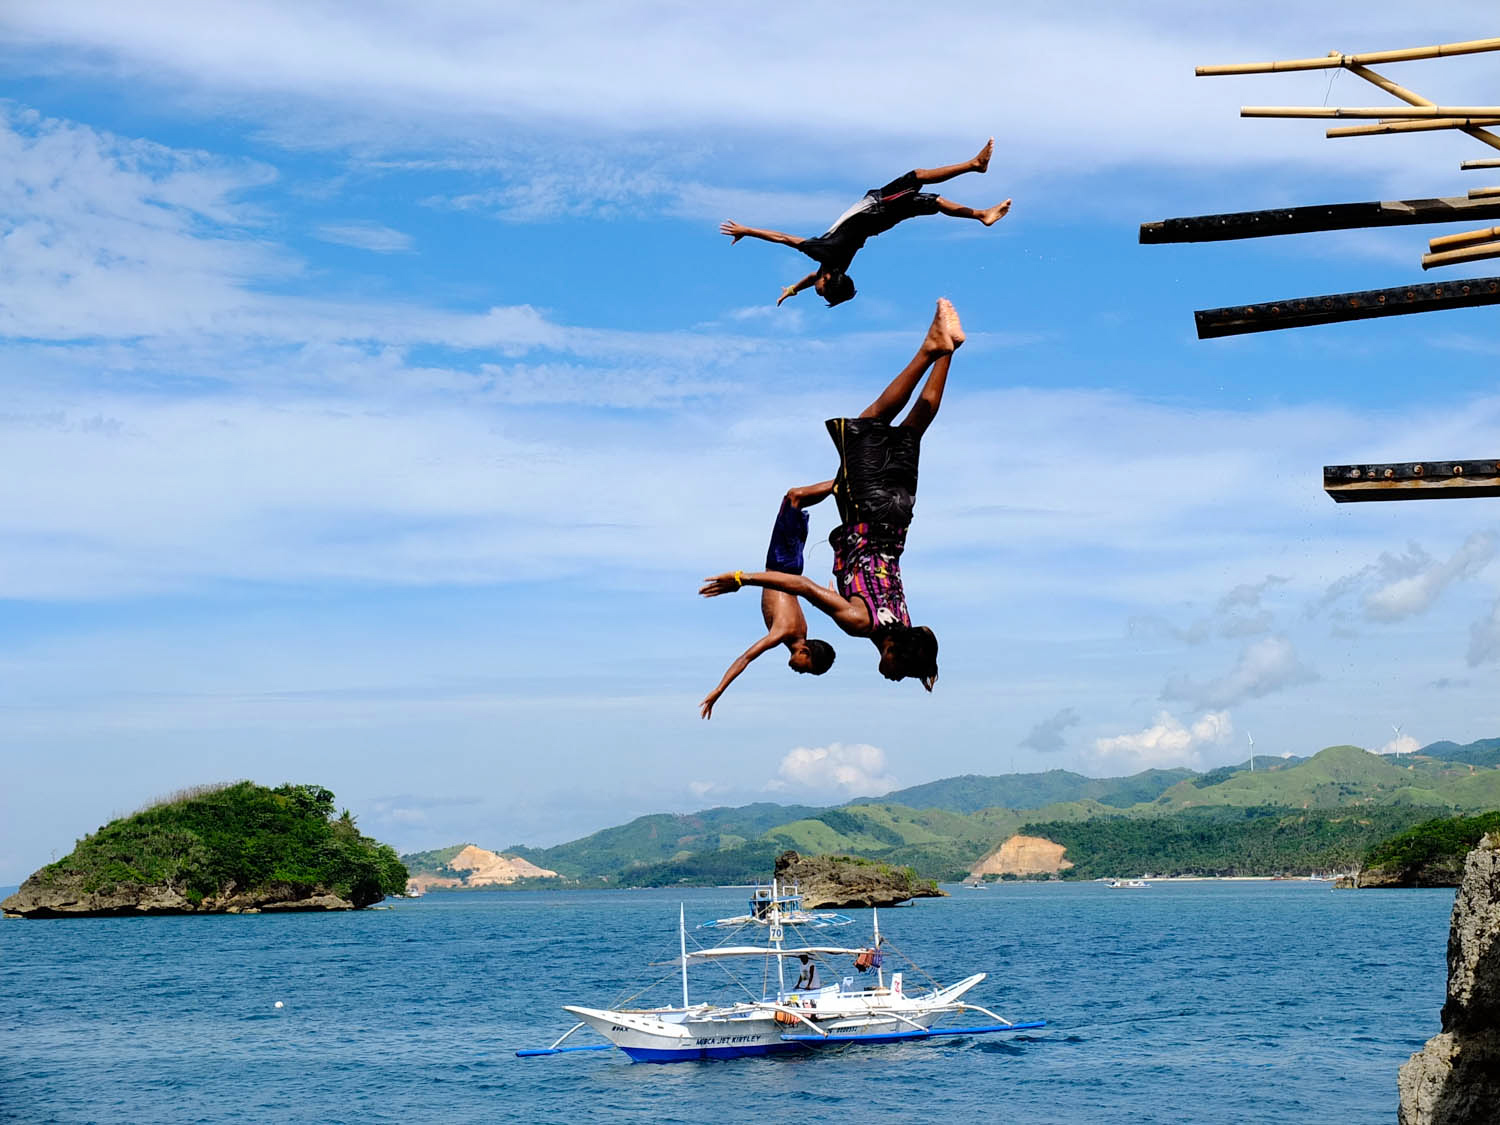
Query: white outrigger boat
(787, 1019)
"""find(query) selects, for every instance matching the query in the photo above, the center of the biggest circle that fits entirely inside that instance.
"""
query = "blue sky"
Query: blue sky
(378, 389)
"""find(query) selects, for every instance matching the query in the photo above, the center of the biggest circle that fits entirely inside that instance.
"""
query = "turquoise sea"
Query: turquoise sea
(1193, 1002)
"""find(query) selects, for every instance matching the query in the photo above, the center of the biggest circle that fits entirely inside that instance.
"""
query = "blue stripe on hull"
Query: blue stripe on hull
(698, 1054)
(898, 1036)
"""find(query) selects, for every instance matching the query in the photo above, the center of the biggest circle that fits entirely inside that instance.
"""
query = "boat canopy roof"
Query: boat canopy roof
(767, 951)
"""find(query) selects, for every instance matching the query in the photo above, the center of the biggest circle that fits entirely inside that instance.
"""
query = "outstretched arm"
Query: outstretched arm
(851, 616)
(737, 231)
(797, 287)
(765, 644)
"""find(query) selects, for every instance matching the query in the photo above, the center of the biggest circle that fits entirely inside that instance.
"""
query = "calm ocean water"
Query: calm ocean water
(1200, 1002)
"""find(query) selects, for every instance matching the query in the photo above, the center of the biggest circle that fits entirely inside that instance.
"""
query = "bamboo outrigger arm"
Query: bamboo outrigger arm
(1468, 165)
(1478, 252)
(1335, 59)
(1333, 308)
(1412, 480)
(1327, 216)
(1466, 238)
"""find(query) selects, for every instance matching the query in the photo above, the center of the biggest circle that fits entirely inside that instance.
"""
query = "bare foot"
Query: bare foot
(982, 161)
(946, 334)
(992, 215)
(947, 316)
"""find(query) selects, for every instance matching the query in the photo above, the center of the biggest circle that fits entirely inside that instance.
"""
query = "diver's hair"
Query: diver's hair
(822, 655)
(838, 288)
(914, 649)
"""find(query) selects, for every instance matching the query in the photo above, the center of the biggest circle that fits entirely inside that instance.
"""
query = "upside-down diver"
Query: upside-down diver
(875, 490)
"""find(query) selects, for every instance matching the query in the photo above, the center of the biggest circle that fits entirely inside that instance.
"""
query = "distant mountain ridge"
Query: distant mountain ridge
(943, 828)
(972, 792)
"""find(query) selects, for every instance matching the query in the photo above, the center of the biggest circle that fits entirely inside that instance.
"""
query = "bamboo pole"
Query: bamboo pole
(1411, 97)
(1372, 112)
(1466, 238)
(1484, 192)
(1468, 165)
(1334, 59)
(1384, 127)
(1466, 254)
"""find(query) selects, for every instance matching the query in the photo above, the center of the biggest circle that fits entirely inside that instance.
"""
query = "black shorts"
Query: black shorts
(877, 478)
(882, 208)
(904, 196)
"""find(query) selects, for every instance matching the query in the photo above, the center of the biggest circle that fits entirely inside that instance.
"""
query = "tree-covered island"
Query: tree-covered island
(223, 849)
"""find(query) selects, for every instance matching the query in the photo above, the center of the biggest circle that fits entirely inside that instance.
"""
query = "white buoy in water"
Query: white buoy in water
(278, 1003)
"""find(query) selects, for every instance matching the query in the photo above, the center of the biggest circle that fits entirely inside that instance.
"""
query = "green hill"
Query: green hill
(1341, 776)
(1485, 752)
(1224, 841)
(660, 837)
(943, 827)
(239, 844)
(972, 792)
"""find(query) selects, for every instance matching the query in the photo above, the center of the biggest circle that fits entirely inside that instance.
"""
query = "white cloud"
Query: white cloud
(1400, 744)
(385, 77)
(374, 237)
(1264, 666)
(1164, 744)
(1411, 584)
(701, 789)
(854, 771)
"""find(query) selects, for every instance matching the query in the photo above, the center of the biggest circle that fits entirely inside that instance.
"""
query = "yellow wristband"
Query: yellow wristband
(739, 579)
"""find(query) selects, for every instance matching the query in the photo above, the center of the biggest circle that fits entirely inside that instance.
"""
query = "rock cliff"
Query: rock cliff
(36, 899)
(1023, 855)
(1455, 1078)
(477, 867)
(846, 881)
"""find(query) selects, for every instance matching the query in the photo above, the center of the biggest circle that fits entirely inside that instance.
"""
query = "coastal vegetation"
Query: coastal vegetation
(241, 841)
(1224, 841)
(1286, 816)
(1430, 854)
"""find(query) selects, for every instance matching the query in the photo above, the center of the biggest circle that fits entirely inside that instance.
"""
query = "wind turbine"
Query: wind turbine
(1396, 742)
(1251, 740)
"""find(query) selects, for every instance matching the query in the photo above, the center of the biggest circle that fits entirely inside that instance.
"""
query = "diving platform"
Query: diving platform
(1319, 217)
(1412, 480)
(1334, 308)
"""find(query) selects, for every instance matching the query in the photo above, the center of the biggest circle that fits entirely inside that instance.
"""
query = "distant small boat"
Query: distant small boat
(1127, 885)
(782, 900)
(414, 890)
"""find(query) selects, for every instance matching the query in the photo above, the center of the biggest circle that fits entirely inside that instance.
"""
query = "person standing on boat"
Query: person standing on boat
(876, 491)
(807, 980)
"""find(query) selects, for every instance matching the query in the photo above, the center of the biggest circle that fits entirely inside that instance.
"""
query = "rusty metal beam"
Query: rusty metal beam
(1332, 308)
(1326, 216)
(1412, 480)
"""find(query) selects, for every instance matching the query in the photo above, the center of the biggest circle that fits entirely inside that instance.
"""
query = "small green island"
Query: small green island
(218, 849)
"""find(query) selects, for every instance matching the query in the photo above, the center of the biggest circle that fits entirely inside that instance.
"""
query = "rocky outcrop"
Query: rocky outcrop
(1023, 855)
(1455, 1078)
(847, 881)
(477, 867)
(65, 898)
